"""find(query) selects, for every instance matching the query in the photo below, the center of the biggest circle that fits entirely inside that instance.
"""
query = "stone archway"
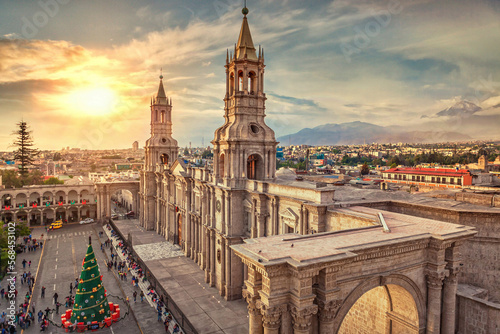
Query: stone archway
(391, 304)
(104, 191)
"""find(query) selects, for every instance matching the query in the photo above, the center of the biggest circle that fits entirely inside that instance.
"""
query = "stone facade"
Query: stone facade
(41, 205)
(328, 278)
(205, 211)
(303, 265)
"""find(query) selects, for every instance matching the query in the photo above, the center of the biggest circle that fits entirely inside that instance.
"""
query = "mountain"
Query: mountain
(460, 109)
(360, 132)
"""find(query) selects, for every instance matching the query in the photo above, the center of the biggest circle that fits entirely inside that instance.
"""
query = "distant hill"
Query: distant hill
(359, 132)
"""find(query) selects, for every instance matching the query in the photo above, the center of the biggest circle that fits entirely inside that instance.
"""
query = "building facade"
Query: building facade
(41, 205)
(303, 264)
(431, 177)
(207, 211)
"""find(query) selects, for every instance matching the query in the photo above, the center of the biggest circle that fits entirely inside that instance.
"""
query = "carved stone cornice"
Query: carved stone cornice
(302, 318)
(328, 309)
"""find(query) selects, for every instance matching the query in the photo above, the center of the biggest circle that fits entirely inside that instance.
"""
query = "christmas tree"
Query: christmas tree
(91, 303)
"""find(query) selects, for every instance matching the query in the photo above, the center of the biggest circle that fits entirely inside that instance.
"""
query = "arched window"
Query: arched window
(240, 81)
(163, 116)
(255, 167)
(231, 84)
(221, 165)
(252, 83)
(164, 159)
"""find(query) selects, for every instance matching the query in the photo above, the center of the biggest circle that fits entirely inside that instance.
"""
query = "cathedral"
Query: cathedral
(206, 211)
(303, 262)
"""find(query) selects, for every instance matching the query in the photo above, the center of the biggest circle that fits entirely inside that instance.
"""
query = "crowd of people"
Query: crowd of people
(137, 273)
(24, 316)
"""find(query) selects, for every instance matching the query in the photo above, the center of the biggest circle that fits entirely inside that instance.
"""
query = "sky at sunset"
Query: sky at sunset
(82, 72)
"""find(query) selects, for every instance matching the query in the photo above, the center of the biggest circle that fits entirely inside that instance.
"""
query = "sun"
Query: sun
(93, 100)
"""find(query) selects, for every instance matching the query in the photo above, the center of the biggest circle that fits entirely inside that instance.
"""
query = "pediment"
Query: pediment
(178, 168)
(289, 214)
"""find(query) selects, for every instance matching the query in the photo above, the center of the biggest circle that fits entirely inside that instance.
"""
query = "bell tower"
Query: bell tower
(161, 148)
(244, 147)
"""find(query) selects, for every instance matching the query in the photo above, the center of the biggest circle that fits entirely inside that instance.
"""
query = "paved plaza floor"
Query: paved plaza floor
(184, 281)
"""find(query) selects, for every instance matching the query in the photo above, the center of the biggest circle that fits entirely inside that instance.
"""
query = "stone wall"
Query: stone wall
(478, 199)
(476, 315)
(480, 254)
(369, 314)
(337, 221)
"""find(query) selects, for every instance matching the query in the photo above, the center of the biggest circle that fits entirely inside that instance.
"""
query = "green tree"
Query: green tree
(365, 170)
(34, 177)
(207, 154)
(91, 303)
(57, 156)
(10, 179)
(25, 152)
(53, 180)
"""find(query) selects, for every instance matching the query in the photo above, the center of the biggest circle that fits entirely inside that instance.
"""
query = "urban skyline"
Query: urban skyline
(89, 78)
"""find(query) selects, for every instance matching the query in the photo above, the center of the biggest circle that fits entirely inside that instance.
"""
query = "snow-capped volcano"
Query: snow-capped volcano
(462, 108)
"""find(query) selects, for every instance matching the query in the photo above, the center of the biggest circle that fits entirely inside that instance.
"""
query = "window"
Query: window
(240, 81)
(252, 83)
(221, 165)
(231, 84)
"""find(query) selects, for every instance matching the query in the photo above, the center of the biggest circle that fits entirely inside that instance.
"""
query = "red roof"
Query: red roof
(430, 171)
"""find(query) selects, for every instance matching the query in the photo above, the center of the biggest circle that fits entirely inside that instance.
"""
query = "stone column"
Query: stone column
(213, 246)
(302, 318)
(254, 317)
(99, 209)
(187, 235)
(434, 289)
(449, 302)
(271, 319)
(326, 312)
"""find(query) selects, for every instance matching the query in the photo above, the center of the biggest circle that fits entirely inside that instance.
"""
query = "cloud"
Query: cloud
(429, 53)
(297, 101)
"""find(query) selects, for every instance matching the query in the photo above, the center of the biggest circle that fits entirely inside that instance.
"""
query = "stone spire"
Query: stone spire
(161, 97)
(245, 45)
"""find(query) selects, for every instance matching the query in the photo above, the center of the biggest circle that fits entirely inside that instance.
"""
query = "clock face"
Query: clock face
(218, 205)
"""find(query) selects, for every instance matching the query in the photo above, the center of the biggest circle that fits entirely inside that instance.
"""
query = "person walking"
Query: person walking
(57, 307)
(135, 296)
(70, 288)
(43, 292)
(40, 316)
(24, 263)
(29, 263)
(142, 296)
(55, 297)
